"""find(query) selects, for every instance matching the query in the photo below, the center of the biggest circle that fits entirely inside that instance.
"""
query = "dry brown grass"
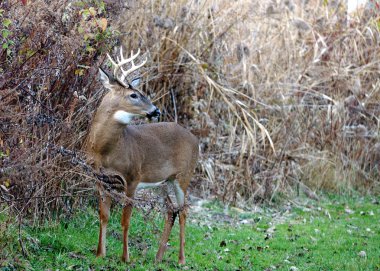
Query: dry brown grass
(279, 96)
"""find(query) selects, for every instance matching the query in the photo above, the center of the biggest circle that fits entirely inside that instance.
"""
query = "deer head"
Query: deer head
(123, 100)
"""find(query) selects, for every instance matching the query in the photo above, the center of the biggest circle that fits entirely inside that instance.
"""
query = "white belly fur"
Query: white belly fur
(180, 196)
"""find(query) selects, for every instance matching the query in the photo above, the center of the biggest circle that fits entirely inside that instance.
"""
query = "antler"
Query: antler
(121, 61)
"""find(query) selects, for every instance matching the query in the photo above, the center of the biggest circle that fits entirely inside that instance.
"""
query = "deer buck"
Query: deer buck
(142, 155)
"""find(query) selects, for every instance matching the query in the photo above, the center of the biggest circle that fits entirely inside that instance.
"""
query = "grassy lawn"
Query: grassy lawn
(334, 234)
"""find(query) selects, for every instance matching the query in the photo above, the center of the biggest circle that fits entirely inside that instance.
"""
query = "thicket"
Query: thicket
(282, 98)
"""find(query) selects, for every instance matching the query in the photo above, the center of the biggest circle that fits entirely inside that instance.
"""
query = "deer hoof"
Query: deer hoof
(125, 258)
(158, 259)
(100, 254)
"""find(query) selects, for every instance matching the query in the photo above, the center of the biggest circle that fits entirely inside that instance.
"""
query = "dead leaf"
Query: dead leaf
(92, 11)
(76, 256)
(268, 236)
(103, 24)
(328, 214)
(349, 211)
(271, 230)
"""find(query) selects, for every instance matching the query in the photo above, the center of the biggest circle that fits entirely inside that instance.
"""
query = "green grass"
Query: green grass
(310, 236)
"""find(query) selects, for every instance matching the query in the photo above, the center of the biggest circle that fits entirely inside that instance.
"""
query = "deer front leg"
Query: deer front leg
(125, 221)
(104, 214)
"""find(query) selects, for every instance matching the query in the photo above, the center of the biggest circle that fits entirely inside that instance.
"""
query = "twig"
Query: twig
(38, 197)
(174, 105)
(23, 250)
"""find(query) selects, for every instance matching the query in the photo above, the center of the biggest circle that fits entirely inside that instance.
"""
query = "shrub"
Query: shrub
(279, 96)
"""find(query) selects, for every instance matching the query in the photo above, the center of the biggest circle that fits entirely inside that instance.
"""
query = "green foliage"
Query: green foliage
(10, 251)
(6, 34)
(93, 25)
(2, 154)
(324, 236)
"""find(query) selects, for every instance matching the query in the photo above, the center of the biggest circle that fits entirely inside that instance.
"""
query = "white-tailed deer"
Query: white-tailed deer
(140, 154)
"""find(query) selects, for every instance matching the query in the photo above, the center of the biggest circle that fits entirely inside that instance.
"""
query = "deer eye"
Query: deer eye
(133, 96)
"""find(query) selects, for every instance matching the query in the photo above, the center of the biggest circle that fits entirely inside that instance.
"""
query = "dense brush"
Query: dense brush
(280, 96)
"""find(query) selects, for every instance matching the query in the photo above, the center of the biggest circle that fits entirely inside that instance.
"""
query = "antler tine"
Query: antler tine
(115, 65)
(121, 61)
(133, 68)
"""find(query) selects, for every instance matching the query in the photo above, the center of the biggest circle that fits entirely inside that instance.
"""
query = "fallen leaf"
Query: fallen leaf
(238, 210)
(76, 256)
(328, 214)
(271, 230)
(245, 221)
(349, 211)
(313, 239)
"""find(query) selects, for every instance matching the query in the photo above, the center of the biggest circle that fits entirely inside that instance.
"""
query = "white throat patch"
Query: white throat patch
(122, 116)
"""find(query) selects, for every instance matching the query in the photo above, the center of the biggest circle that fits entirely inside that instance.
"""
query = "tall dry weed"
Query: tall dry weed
(281, 96)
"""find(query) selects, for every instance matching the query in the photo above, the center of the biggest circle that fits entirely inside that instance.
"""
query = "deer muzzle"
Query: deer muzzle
(154, 114)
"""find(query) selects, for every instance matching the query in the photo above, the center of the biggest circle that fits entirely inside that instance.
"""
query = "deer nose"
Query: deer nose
(154, 114)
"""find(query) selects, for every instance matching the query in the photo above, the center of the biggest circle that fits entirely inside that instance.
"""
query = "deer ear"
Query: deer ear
(107, 80)
(135, 82)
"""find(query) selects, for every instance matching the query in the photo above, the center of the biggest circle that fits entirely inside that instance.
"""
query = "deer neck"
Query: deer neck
(105, 133)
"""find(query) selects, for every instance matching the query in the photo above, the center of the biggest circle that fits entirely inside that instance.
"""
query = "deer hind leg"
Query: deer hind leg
(125, 221)
(180, 192)
(104, 213)
(169, 222)
(182, 222)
